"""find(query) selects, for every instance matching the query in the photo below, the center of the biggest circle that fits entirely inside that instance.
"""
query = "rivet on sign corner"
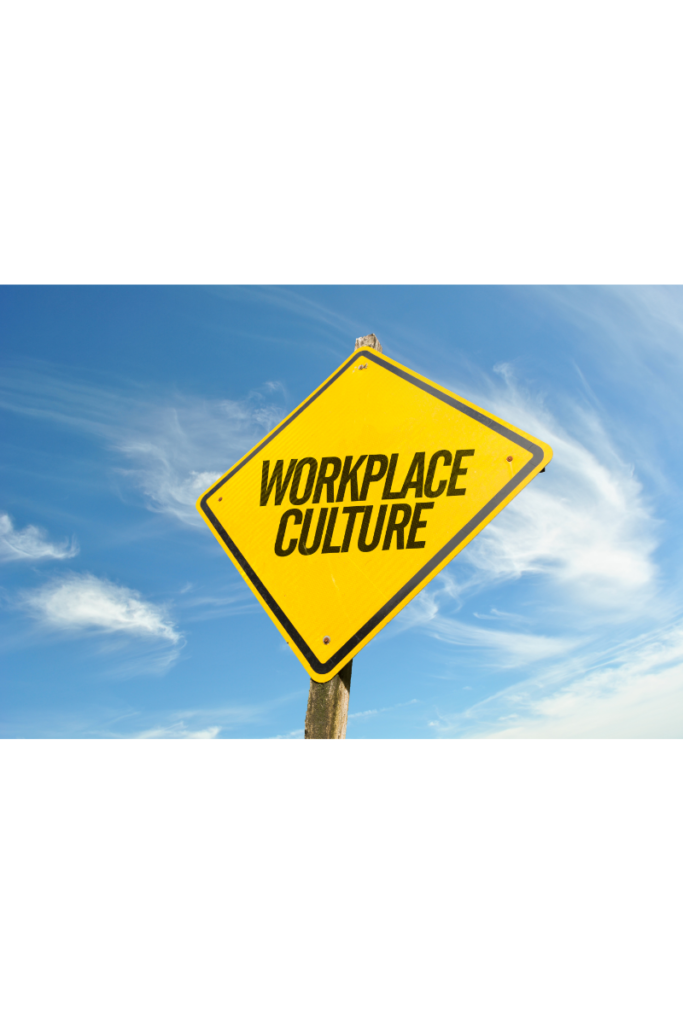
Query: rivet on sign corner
(509, 458)
(326, 639)
(220, 499)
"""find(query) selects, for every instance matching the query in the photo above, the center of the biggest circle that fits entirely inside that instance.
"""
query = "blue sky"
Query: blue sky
(122, 617)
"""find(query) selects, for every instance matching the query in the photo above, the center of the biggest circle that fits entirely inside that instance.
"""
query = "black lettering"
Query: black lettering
(328, 548)
(387, 493)
(417, 470)
(276, 479)
(312, 469)
(365, 526)
(350, 475)
(397, 528)
(325, 480)
(418, 524)
(457, 471)
(318, 532)
(291, 513)
(352, 511)
(370, 477)
(447, 459)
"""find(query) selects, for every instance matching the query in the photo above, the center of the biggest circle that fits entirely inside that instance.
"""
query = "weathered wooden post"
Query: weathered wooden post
(328, 703)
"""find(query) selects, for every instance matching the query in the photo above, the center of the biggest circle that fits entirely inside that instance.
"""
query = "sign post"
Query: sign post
(328, 707)
(328, 703)
(347, 509)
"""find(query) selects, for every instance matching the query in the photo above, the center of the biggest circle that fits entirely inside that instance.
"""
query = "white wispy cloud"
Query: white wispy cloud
(381, 711)
(169, 443)
(584, 523)
(506, 648)
(227, 600)
(201, 722)
(179, 731)
(334, 328)
(637, 326)
(79, 602)
(31, 543)
(634, 690)
(168, 447)
(502, 647)
(628, 349)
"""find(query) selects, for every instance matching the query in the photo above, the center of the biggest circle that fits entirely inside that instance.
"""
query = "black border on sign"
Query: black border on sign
(324, 667)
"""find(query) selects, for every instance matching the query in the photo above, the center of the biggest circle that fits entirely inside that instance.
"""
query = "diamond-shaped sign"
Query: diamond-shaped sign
(349, 507)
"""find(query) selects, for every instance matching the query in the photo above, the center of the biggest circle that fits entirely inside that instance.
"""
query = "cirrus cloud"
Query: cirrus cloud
(586, 525)
(633, 690)
(85, 602)
(31, 543)
(170, 447)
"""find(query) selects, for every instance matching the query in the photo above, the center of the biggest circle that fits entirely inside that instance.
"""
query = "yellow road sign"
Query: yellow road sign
(349, 507)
